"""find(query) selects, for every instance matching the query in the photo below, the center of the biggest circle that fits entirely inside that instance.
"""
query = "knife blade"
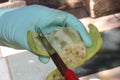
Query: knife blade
(64, 70)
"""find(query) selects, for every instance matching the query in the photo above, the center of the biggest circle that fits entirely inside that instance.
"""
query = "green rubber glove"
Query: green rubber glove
(15, 22)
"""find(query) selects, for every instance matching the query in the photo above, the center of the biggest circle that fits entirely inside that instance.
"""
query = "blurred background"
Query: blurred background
(105, 65)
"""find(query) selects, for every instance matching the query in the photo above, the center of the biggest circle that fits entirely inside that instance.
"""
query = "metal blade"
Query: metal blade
(53, 53)
(46, 43)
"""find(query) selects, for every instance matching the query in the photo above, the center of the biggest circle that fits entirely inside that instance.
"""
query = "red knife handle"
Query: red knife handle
(70, 75)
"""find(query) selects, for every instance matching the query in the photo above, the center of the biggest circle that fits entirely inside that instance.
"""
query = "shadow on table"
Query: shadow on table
(107, 58)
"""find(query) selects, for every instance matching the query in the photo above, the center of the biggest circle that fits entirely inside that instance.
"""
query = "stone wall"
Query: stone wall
(98, 8)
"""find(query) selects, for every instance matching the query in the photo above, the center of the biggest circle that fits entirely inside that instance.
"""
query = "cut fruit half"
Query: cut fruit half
(67, 42)
(90, 51)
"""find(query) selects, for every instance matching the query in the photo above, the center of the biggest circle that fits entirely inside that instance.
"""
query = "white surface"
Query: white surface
(94, 79)
(4, 73)
(5, 51)
(26, 66)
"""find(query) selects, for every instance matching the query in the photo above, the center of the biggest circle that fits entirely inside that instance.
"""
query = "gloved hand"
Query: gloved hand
(15, 22)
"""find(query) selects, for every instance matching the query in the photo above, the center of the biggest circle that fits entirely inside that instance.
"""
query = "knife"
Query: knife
(67, 73)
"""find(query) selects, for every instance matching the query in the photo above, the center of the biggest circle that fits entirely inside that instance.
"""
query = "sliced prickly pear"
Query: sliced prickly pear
(55, 75)
(91, 51)
(66, 42)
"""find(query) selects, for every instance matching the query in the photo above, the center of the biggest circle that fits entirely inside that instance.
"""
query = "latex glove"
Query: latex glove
(14, 24)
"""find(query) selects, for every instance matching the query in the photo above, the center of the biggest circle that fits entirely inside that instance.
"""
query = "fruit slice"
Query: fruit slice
(69, 45)
(91, 51)
(55, 75)
(66, 42)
